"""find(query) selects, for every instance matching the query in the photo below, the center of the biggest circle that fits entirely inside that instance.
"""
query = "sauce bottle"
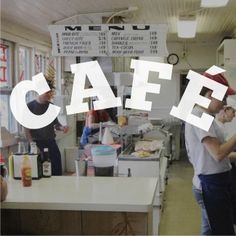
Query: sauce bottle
(46, 164)
(10, 165)
(33, 148)
(26, 171)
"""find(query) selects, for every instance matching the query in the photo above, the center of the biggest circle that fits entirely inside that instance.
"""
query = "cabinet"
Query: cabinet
(226, 53)
(55, 222)
(226, 58)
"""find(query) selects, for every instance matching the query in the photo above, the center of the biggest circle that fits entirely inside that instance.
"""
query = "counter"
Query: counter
(121, 196)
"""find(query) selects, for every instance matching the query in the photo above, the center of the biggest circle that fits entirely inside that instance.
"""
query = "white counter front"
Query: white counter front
(83, 193)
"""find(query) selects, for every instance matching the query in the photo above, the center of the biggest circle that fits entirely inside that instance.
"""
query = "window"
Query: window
(4, 65)
(23, 63)
(6, 118)
(40, 62)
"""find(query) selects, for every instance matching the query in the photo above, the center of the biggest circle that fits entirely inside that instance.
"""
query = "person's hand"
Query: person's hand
(65, 129)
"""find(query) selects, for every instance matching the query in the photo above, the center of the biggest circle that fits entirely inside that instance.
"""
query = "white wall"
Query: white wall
(23, 36)
(200, 56)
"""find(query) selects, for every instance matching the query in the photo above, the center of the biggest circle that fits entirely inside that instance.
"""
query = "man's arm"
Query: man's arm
(60, 127)
(219, 150)
(232, 156)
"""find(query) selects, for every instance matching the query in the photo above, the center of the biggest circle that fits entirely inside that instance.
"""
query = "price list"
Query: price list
(109, 40)
(82, 43)
(133, 44)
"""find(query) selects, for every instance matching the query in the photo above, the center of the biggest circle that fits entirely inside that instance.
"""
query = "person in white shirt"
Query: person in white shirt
(226, 115)
(208, 152)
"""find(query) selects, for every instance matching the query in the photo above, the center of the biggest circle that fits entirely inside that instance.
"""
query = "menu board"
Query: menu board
(109, 40)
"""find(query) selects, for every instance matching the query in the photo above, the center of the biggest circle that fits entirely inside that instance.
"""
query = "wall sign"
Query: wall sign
(109, 40)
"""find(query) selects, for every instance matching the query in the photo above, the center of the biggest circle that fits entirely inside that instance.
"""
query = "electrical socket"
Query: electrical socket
(132, 8)
(184, 54)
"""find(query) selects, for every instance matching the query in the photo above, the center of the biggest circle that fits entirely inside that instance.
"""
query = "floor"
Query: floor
(181, 214)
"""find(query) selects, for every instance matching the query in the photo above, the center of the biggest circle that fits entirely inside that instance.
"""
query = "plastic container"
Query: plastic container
(104, 160)
(26, 171)
(10, 165)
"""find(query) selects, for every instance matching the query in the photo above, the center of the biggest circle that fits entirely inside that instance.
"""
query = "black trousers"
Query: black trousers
(217, 197)
(54, 153)
(233, 171)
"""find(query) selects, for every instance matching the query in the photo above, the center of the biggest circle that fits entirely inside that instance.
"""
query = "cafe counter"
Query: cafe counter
(80, 205)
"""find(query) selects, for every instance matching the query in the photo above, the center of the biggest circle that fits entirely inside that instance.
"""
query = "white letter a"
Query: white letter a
(101, 88)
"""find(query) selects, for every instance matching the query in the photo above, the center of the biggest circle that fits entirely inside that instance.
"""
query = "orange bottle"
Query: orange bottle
(26, 171)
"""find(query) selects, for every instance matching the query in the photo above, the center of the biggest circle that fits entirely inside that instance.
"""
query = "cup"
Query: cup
(81, 167)
(77, 167)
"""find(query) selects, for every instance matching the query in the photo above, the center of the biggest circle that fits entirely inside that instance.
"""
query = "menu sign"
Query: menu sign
(109, 40)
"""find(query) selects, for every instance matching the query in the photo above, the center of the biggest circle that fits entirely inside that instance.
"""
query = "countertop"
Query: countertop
(121, 194)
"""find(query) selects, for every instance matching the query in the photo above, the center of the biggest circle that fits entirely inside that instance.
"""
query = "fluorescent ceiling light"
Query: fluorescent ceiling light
(214, 3)
(186, 27)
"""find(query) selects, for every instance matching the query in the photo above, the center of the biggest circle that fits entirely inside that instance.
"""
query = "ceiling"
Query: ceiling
(212, 23)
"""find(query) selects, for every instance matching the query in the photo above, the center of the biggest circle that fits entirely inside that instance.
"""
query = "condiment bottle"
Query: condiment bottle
(26, 171)
(33, 148)
(10, 165)
(46, 164)
(21, 148)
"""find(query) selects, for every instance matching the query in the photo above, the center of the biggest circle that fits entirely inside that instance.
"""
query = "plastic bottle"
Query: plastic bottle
(10, 165)
(26, 171)
(46, 164)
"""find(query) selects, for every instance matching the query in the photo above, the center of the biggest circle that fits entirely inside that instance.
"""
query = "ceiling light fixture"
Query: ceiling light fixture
(214, 3)
(187, 26)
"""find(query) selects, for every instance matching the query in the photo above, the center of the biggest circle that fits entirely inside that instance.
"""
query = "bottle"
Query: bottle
(129, 172)
(46, 164)
(33, 148)
(10, 165)
(26, 171)
(21, 148)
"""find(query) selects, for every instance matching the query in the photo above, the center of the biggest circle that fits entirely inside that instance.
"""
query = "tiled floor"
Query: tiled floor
(181, 214)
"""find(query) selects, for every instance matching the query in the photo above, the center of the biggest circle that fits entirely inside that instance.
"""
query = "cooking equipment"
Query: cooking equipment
(35, 163)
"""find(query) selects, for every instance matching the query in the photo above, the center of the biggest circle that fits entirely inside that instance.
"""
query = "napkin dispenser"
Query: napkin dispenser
(35, 164)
